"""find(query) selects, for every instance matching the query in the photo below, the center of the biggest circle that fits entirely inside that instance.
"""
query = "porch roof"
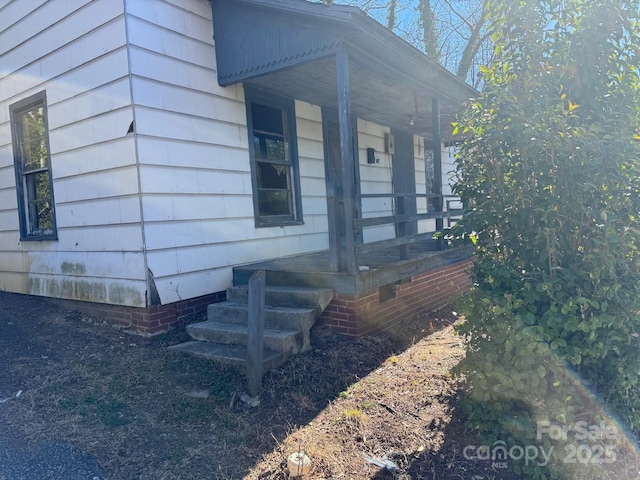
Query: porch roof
(288, 47)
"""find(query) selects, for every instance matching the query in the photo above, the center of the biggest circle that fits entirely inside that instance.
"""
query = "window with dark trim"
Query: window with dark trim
(32, 163)
(274, 160)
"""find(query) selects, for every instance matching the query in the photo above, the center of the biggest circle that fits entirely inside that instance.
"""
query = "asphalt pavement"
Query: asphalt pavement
(46, 461)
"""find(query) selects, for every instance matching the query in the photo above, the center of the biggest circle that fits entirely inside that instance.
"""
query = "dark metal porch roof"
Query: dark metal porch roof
(288, 46)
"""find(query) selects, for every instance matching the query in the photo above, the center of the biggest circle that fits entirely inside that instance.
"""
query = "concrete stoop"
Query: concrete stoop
(290, 312)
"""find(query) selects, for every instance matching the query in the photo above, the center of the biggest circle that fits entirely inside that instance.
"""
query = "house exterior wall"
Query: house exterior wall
(378, 178)
(168, 207)
(76, 52)
(195, 174)
(375, 178)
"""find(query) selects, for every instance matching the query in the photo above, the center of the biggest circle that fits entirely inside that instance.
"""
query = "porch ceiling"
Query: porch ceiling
(287, 47)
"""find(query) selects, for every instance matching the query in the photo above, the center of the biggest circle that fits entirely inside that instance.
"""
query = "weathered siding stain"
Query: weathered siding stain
(76, 52)
(73, 268)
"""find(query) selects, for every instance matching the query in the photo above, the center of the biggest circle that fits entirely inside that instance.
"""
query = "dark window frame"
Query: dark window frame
(287, 107)
(28, 200)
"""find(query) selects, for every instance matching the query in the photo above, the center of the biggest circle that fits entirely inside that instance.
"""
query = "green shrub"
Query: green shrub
(550, 177)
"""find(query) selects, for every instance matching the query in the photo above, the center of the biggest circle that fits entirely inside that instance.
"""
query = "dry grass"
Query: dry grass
(137, 408)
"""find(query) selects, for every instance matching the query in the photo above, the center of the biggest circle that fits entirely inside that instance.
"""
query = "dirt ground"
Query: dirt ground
(379, 407)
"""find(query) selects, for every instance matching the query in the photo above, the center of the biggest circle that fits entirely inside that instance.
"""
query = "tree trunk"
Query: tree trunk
(429, 34)
(471, 48)
(391, 16)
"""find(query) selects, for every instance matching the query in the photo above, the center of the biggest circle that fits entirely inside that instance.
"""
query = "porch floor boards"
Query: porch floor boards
(319, 261)
(384, 267)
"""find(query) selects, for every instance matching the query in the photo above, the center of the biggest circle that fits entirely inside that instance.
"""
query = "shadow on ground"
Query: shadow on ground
(144, 412)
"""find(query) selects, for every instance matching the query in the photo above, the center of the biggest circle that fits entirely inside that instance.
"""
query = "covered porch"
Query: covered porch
(341, 60)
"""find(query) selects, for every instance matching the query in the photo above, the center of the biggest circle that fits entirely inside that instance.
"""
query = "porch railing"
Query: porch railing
(446, 207)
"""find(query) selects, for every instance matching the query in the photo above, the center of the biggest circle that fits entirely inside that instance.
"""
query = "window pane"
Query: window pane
(42, 185)
(271, 148)
(45, 217)
(272, 175)
(274, 202)
(33, 124)
(267, 119)
(276, 151)
(34, 148)
(35, 155)
(39, 201)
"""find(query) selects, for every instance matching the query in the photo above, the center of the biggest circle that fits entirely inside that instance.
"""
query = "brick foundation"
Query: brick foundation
(357, 315)
(149, 320)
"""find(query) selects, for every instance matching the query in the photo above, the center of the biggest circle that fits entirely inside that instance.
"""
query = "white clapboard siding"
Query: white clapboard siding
(184, 17)
(375, 178)
(106, 127)
(176, 286)
(170, 180)
(8, 219)
(113, 211)
(13, 262)
(7, 177)
(12, 12)
(91, 289)
(115, 154)
(13, 281)
(89, 104)
(103, 70)
(187, 154)
(179, 99)
(5, 141)
(20, 19)
(97, 185)
(156, 66)
(9, 239)
(195, 175)
(25, 76)
(103, 264)
(191, 48)
(75, 51)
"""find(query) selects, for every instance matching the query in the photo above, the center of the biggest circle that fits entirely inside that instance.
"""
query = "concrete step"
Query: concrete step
(279, 317)
(233, 355)
(286, 296)
(287, 341)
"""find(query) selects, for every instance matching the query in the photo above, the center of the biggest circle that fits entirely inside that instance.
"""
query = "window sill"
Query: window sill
(39, 238)
(277, 223)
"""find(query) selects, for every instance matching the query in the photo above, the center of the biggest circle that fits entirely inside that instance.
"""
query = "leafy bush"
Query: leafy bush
(550, 177)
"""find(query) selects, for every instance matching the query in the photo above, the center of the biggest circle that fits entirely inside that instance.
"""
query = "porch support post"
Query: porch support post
(437, 167)
(346, 154)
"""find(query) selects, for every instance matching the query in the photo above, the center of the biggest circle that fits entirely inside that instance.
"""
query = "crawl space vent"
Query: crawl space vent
(386, 292)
